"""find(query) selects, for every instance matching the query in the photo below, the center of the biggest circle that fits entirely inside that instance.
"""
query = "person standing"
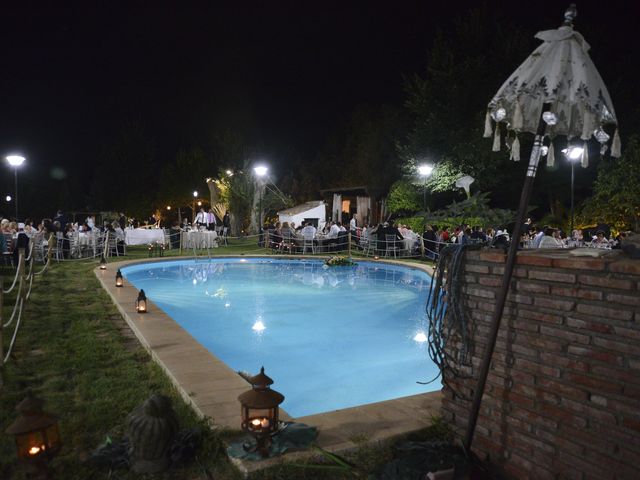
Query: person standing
(353, 224)
(211, 220)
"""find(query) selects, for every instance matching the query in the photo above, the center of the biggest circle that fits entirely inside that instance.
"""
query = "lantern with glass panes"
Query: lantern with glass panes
(119, 279)
(103, 263)
(141, 302)
(260, 412)
(36, 432)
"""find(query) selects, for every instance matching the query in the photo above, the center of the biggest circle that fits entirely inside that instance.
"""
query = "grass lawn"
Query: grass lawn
(75, 351)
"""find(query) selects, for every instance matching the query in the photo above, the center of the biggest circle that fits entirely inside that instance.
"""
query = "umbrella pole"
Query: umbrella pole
(506, 279)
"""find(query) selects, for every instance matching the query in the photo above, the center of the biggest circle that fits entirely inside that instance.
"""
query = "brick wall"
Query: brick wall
(563, 393)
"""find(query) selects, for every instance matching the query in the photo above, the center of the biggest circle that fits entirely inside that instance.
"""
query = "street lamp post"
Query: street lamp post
(573, 154)
(15, 161)
(425, 171)
(193, 208)
(260, 171)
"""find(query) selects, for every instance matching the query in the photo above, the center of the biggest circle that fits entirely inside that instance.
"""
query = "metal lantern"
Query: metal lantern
(103, 263)
(260, 411)
(141, 302)
(36, 432)
(119, 279)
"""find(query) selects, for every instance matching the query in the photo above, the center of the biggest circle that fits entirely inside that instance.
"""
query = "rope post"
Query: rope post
(349, 242)
(1, 328)
(21, 272)
(181, 232)
(421, 246)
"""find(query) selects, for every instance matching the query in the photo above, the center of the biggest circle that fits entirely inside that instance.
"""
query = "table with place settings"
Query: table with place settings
(143, 236)
(199, 239)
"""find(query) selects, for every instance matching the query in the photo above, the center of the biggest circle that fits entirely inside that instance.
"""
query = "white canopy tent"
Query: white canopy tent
(314, 211)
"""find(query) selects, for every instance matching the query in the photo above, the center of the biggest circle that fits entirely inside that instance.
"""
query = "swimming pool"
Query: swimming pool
(331, 338)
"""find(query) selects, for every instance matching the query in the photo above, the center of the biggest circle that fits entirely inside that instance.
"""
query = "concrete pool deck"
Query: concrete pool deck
(212, 388)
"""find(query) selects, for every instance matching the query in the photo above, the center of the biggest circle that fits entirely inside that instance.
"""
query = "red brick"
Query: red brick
(517, 272)
(565, 335)
(617, 347)
(626, 266)
(532, 287)
(593, 384)
(629, 333)
(563, 415)
(562, 305)
(592, 326)
(616, 374)
(609, 357)
(561, 388)
(490, 281)
(577, 293)
(541, 317)
(515, 297)
(479, 292)
(633, 301)
(537, 260)
(562, 444)
(470, 267)
(552, 276)
(492, 257)
(606, 282)
(537, 367)
(541, 342)
(535, 419)
(590, 412)
(564, 362)
(525, 325)
(470, 279)
(579, 263)
(605, 312)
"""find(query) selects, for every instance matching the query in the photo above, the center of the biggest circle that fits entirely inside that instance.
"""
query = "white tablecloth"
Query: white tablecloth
(196, 239)
(143, 236)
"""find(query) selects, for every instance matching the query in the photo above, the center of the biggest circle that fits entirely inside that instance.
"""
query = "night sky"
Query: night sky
(73, 76)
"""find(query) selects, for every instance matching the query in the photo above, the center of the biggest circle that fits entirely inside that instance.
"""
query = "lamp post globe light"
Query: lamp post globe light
(260, 171)
(573, 154)
(15, 161)
(425, 170)
(193, 208)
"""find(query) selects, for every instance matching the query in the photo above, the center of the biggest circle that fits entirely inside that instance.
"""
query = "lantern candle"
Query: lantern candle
(141, 302)
(119, 279)
(103, 263)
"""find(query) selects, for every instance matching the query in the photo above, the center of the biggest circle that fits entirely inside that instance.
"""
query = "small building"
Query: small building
(365, 202)
(314, 212)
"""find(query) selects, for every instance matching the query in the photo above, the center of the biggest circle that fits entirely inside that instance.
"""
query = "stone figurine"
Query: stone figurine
(152, 428)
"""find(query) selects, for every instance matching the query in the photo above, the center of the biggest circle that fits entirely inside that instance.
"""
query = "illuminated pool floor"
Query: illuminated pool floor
(331, 338)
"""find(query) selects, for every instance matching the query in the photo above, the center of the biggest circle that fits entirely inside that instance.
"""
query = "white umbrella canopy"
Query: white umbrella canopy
(560, 73)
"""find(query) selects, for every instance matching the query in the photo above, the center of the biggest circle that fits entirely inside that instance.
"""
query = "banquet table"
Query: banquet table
(143, 236)
(199, 239)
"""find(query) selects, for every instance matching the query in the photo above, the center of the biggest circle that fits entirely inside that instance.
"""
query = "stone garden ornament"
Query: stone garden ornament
(556, 92)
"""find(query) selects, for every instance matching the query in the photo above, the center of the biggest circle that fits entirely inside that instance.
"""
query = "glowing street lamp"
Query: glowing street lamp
(8, 198)
(425, 171)
(260, 171)
(573, 154)
(15, 161)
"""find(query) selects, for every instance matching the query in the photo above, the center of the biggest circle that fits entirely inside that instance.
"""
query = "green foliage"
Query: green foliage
(415, 223)
(403, 198)
(616, 196)
(241, 191)
(448, 103)
(474, 210)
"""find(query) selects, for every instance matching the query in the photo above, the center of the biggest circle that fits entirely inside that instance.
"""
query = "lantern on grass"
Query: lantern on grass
(119, 279)
(103, 263)
(260, 412)
(36, 433)
(141, 302)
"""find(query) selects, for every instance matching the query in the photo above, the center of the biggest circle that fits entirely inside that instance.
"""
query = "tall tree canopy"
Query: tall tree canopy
(448, 103)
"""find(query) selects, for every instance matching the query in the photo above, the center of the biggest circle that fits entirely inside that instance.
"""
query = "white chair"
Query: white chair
(308, 243)
(391, 246)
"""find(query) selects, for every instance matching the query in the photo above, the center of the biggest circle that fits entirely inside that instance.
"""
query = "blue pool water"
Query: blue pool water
(330, 338)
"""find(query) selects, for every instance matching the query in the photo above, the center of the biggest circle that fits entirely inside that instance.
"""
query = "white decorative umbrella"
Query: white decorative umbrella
(560, 73)
(556, 91)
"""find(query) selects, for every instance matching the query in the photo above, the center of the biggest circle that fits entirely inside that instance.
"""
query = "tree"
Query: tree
(616, 198)
(404, 198)
(448, 103)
